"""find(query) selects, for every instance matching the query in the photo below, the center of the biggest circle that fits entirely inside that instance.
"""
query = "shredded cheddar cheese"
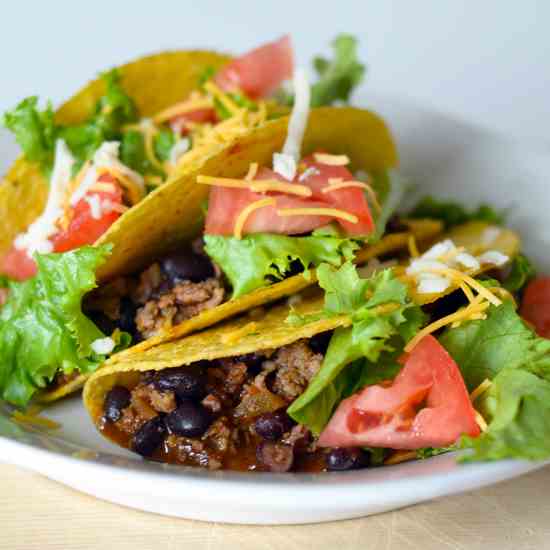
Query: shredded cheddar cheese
(222, 97)
(263, 186)
(413, 249)
(243, 216)
(481, 389)
(252, 171)
(338, 183)
(467, 291)
(35, 420)
(460, 315)
(235, 335)
(133, 190)
(192, 104)
(331, 160)
(330, 212)
(102, 186)
(458, 276)
(400, 456)
(258, 186)
(480, 421)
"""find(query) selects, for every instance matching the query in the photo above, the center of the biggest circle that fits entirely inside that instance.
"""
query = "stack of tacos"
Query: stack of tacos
(229, 278)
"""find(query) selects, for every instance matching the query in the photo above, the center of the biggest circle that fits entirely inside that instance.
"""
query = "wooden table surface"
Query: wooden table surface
(36, 513)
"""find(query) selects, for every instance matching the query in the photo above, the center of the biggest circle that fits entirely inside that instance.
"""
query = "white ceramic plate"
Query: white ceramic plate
(445, 158)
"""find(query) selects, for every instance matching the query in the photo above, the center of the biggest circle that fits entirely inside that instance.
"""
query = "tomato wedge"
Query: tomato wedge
(427, 405)
(84, 228)
(226, 203)
(535, 306)
(260, 72)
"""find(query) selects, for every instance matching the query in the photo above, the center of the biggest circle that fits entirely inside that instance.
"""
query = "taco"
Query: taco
(134, 129)
(273, 393)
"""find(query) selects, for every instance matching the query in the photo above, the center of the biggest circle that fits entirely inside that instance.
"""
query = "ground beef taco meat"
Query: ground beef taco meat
(178, 287)
(226, 414)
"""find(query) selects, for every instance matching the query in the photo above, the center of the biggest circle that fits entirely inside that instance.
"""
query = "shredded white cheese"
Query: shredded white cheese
(94, 202)
(298, 117)
(440, 257)
(105, 157)
(284, 165)
(493, 257)
(36, 238)
(178, 150)
(103, 346)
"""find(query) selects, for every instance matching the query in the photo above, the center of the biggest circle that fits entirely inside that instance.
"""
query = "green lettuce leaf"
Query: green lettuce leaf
(112, 112)
(517, 406)
(34, 130)
(521, 273)
(337, 77)
(361, 354)
(164, 141)
(42, 327)
(452, 213)
(132, 152)
(483, 348)
(258, 259)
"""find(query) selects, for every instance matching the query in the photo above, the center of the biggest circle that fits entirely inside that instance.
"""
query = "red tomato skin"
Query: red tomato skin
(387, 416)
(17, 265)
(200, 116)
(535, 306)
(83, 228)
(261, 71)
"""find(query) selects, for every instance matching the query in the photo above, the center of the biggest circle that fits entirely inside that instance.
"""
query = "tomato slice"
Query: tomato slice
(200, 116)
(84, 228)
(17, 265)
(535, 306)
(259, 72)
(226, 203)
(427, 405)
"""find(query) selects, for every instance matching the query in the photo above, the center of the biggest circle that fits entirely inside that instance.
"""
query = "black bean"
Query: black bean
(149, 437)
(272, 426)
(185, 265)
(252, 360)
(340, 458)
(276, 456)
(187, 382)
(117, 399)
(189, 420)
(319, 343)
(127, 319)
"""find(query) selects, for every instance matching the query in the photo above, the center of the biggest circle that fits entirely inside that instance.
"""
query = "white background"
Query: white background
(488, 62)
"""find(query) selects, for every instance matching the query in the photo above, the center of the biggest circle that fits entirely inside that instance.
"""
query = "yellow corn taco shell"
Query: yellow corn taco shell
(234, 337)
(153, 82)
